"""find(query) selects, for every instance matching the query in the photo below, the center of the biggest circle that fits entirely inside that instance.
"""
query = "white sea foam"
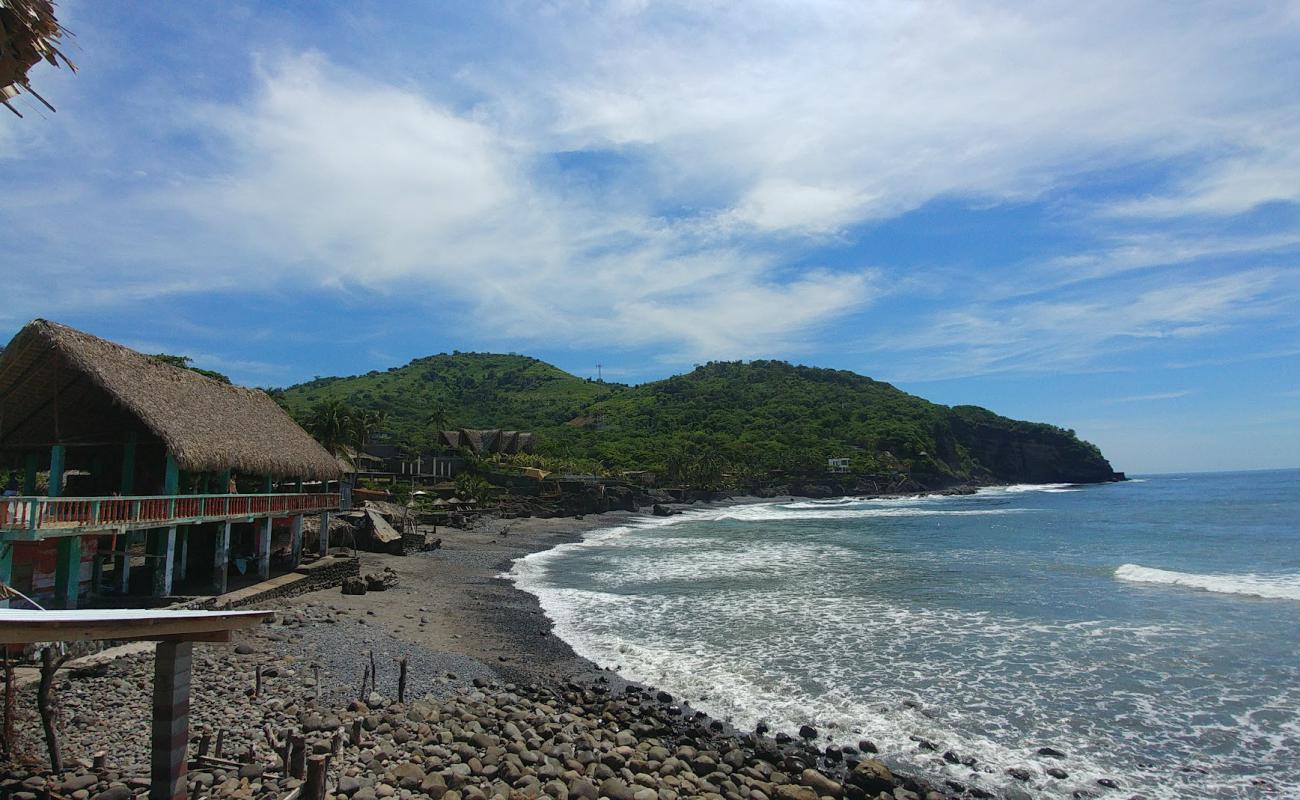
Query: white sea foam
(776, 513)
(1022, 488)
(1274, 587)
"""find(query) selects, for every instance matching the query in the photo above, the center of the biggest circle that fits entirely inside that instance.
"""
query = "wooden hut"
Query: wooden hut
(156, 447)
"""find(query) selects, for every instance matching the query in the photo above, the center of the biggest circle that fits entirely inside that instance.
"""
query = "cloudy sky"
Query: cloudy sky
(1082, 213)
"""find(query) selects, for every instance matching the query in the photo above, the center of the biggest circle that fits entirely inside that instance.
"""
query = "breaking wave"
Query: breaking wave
(1273, 587)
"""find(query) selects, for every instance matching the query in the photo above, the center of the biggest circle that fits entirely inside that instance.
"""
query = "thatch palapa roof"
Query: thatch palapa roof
(60, 384)
(28, 33)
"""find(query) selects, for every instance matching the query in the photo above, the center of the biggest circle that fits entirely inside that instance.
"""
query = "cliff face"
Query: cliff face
(1026, 453)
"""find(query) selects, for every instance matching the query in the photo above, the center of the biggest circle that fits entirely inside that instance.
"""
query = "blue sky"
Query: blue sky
(1087, 214)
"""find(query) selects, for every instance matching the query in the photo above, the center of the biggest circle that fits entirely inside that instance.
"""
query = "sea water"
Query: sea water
(1149, 630)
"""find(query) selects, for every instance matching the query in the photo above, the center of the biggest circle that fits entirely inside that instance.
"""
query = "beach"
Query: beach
(490, 693)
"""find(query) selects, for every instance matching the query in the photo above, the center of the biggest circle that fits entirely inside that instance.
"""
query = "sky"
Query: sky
(1080, 213)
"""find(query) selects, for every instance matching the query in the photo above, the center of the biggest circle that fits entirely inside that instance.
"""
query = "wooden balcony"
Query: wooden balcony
(34, 518)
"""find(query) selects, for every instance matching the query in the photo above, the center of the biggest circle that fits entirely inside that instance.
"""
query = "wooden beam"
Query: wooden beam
(28, 627)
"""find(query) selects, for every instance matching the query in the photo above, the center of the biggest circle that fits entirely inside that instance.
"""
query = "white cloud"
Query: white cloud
(1146, 398)
(1068, 334)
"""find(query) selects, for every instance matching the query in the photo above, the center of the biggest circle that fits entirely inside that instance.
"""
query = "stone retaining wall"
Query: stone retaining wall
(321, 574)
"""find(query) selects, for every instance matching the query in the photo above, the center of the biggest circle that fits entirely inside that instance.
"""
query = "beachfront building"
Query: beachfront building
(115, 459)
(838, 466)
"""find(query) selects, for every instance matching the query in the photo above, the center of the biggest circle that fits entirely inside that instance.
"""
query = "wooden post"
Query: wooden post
(297, 766)
(163, 550)
(58, 455)
(314, 788)
(401, 680)
(264, 549)
(323, 547)
(295, 541)
(268, 485)
(128, 465)
(171, 720)
(221, 558)
(67, 571)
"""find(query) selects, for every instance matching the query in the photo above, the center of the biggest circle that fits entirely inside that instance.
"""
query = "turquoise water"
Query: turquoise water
(1150, 629)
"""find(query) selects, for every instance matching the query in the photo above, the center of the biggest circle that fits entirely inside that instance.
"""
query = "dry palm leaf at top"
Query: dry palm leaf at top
(29, 32)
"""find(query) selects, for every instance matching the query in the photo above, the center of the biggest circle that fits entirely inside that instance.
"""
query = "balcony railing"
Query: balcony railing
(63, 515)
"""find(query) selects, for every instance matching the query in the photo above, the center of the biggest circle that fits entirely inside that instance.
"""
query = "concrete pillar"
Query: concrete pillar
(295, 541)
(324, 545)
(67, 572)
(6, 568)
(163, 551)
(221, 558)
(122, 563)
(182, 552)
(264, 549)
(57, 455)
(170, 733)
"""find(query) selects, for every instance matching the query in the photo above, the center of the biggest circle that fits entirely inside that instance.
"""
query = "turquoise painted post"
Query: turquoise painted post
(67, 572)
(268, 485)
(163, 550)
(128, 465)
(29, 476)
(172, 477)
(57, 455)
(297, 486)
(264, 549)
(6, 568)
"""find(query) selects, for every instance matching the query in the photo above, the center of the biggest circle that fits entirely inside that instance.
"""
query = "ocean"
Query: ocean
(1149, 630)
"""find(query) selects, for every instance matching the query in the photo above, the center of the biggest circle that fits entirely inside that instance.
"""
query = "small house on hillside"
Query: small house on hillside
(134, 450)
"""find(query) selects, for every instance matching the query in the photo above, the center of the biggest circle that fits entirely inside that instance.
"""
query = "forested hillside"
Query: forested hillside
(736, 418)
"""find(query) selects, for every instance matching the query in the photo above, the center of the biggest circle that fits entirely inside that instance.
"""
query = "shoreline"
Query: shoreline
(467, 633)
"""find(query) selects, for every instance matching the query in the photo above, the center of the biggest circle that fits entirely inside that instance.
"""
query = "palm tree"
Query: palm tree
(332, 422)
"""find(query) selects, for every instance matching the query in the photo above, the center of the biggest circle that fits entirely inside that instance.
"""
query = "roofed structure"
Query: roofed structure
(29, 32)
(58, 384)
(490, 440)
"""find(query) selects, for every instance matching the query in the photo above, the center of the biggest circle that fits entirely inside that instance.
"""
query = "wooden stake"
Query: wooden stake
(314, 788)
(401, 680)
(257, 681)
(221, 741)
(45, 703)
(297, 766)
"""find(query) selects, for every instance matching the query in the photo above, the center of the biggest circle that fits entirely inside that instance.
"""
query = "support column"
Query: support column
(264, 549)
(171, 475)
(221, 558)
(295, 541)
(57, 455)
(122, 562)
(67, 572)
(163, 551)
(323, 547)
(171, 720)
(182, 552)
(6, 568)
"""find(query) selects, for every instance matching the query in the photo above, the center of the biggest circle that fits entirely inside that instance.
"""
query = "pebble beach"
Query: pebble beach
(493, 706)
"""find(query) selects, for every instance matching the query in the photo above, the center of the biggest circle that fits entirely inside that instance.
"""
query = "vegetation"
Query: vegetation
(184, 363)
(723, 423)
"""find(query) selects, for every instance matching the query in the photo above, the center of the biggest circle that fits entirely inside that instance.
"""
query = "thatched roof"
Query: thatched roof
(490, 440)
(59, 384)
(28, 33)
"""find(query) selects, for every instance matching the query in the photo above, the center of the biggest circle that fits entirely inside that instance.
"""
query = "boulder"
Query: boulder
(820, 784)
(354, 585)
(872, 777)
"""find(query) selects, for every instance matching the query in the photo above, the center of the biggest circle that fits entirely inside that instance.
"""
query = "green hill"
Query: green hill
(742, 419)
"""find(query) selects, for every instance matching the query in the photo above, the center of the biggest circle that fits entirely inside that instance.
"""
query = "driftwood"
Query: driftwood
(45, 703)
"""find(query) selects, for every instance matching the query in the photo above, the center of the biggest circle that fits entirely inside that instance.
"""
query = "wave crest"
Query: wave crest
(1273, 587)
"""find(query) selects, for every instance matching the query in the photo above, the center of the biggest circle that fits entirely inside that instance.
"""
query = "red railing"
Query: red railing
(41, 513)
